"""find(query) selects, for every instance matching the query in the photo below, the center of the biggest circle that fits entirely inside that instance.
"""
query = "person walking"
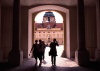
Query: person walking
(40, 53)
(53, 51)
(35, 51)
(43, 49)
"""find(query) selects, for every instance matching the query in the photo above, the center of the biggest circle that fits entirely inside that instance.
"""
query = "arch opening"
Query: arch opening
(48, 25)
(66, 26)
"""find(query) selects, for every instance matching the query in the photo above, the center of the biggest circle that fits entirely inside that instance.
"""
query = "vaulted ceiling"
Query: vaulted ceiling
(61, 2)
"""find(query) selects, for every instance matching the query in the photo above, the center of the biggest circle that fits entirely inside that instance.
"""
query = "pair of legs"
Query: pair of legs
(43, 56)
(37, 61)
(40, 62)
(53, 60)
(40, 59)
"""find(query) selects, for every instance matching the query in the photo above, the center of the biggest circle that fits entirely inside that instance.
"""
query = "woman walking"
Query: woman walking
(53, 51)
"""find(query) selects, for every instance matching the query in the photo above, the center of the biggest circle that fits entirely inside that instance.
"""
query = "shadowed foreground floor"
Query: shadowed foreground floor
(62, 64)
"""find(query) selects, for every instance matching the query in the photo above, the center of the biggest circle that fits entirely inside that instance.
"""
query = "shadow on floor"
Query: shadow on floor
(94, 66)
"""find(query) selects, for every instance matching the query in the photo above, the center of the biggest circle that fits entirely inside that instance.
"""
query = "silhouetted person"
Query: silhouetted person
(43, 50)
(40, 53)
(53, 51)
(35, 50)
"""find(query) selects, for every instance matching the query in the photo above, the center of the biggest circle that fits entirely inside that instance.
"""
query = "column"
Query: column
(98, 30)
(81, 55)
(0, 34)
(14, 55)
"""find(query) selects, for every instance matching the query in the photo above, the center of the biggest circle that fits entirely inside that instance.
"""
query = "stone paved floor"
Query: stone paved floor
(63, 64)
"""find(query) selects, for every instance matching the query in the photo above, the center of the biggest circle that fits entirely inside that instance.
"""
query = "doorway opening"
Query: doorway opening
(49, 25)
(63, 11)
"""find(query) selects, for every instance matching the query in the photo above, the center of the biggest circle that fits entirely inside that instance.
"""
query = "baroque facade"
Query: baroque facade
(49, 29)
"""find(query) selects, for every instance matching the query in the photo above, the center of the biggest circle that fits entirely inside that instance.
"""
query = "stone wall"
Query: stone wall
(6, 31)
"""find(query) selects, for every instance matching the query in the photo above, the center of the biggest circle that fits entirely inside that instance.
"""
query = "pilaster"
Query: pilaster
(15, 56)
(98, 30)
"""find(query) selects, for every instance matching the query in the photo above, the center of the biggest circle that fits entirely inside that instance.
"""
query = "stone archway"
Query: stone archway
(66, 30)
